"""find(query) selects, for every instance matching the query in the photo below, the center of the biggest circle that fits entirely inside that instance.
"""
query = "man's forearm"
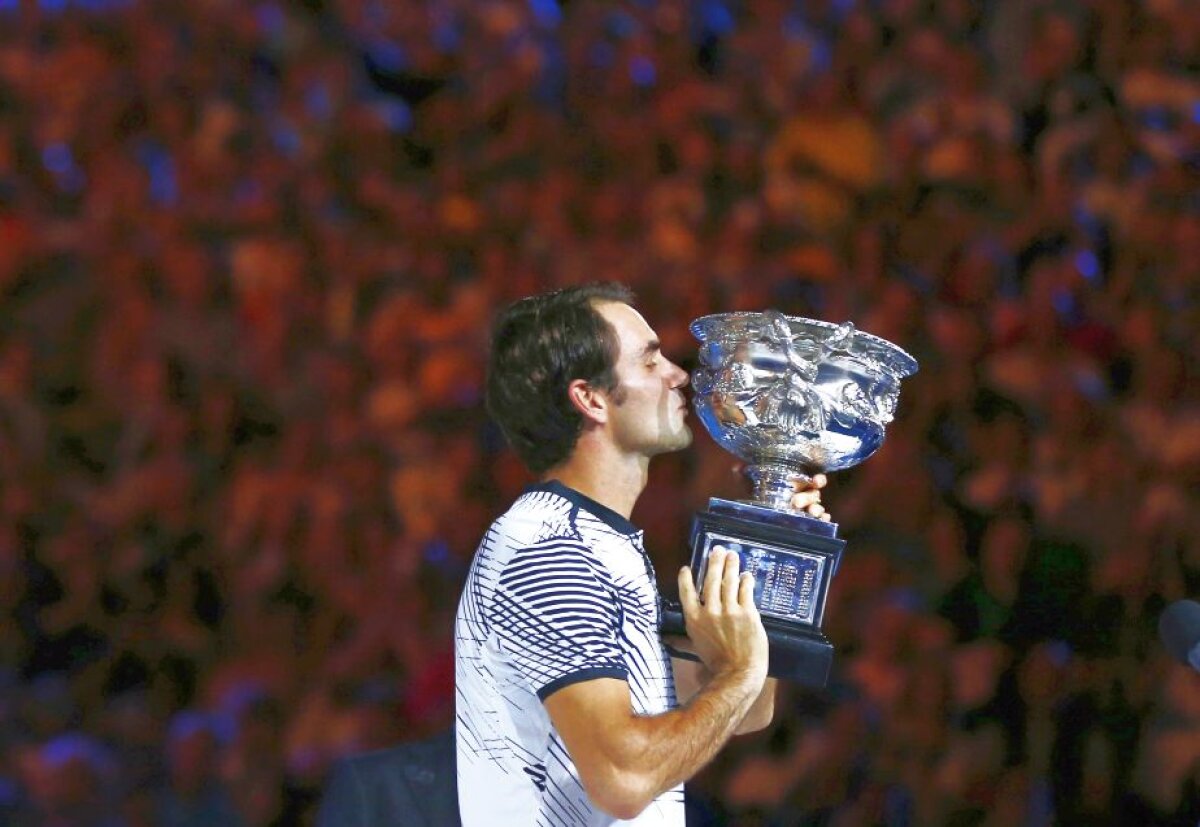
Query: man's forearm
(762, 711)
(626, 760)
(691, 675)
(672, 747)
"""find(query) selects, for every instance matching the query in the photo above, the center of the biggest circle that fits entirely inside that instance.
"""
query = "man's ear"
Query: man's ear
(590, 401)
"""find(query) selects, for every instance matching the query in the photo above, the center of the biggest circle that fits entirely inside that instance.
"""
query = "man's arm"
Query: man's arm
(691, 676)
(625, 761)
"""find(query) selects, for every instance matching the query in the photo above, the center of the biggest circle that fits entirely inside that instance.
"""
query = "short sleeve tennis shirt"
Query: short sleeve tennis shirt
(560, 591)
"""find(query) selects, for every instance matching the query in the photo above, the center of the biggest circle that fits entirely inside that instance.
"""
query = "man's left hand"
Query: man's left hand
(807, 498)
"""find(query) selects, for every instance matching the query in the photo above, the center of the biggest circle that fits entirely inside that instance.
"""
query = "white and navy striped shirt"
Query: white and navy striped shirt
(561, 591)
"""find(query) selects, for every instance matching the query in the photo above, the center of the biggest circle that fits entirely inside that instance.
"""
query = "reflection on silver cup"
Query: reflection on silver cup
(793, 396)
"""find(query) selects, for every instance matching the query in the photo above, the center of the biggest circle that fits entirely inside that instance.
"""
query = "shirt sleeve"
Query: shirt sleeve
(557, 619)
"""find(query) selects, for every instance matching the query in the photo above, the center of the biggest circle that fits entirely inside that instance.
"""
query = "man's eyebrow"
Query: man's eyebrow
(652, 347)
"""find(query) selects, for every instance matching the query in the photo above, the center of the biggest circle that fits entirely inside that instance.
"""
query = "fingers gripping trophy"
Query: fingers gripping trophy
(791, 397)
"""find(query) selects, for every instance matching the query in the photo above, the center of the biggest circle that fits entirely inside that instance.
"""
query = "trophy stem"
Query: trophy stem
(774, 484)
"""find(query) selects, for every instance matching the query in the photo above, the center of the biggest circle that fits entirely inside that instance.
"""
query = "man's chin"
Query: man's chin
(682, 440)
(669, 443)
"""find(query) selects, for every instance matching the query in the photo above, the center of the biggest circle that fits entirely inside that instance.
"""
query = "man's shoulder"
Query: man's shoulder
(535, 518)
(535, 508)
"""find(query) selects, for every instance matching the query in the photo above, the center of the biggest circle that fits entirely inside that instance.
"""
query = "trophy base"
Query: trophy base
(797, 655)
(793, 558)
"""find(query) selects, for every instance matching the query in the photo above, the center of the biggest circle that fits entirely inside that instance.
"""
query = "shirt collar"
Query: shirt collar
(601, 512)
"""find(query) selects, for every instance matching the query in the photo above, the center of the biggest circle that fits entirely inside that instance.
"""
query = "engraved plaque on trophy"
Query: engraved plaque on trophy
(791, 397)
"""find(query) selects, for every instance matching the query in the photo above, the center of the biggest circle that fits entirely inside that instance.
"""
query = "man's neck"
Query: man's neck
(613, 480)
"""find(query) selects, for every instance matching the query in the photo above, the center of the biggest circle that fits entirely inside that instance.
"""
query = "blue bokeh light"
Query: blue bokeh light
(318, 101)
(437, 552)
(716, 18)
(1087, 264)
(642, 71)
(1064, 303)
(447, 36)
(546, 12)
(387, 55)
(395, 114)
(620, 25)
(57, 158)
(160, 167)
(271, 18)
(285, 138)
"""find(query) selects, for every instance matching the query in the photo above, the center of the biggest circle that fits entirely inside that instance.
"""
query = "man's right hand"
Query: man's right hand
(723, 622)
(626, 760)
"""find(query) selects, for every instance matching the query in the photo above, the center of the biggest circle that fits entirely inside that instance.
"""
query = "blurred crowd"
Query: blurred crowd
(248, 256)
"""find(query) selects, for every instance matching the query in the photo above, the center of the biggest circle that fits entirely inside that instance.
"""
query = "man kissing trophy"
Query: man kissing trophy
(791, 397)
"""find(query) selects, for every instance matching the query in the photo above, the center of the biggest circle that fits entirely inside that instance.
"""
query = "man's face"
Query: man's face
(649, 410)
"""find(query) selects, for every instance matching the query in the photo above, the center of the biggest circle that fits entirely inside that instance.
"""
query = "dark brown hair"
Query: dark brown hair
(541, 344)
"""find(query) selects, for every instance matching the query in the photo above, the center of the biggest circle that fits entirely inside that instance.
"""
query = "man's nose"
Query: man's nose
(681, 377)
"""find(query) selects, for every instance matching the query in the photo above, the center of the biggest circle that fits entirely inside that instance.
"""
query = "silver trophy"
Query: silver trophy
(790, 397)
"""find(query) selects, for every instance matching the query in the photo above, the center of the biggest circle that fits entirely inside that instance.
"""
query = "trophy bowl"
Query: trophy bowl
(792, 396)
